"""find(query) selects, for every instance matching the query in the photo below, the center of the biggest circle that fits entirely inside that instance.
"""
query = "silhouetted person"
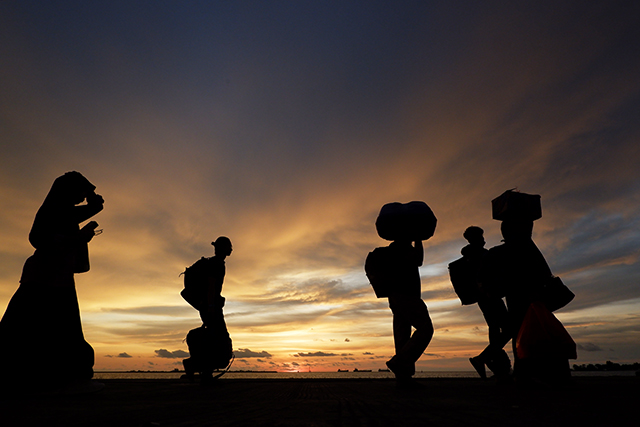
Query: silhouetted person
(42, 324)
(492, 307)
(520, 270)
(409, 310)
(211, 314)
(213, 336)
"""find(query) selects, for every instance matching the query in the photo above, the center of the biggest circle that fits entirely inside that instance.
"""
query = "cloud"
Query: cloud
(161, 332)
(437, 356)
(166, 354)
(245, 353)
(315, 354)
(121, 355)
(589, 347)
(257, 313)
(177, 311)
(312, 291)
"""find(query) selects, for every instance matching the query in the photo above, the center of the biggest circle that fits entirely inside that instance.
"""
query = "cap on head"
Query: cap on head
(221, 242)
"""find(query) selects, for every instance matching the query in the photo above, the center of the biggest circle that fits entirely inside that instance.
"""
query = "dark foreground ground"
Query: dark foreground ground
(608, 401)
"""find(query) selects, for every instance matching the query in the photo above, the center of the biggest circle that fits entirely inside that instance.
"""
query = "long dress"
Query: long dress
(520, 270)
(41, 331)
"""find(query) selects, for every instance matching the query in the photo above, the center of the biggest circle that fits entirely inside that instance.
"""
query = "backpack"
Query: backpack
(196, 282)
(378, 271)
(464, 281)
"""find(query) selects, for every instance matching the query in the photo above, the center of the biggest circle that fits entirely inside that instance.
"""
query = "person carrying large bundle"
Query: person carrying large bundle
(394, 274)
(519, 270)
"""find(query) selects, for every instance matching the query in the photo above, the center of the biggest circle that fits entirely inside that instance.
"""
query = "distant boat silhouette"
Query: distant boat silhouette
(343, 370)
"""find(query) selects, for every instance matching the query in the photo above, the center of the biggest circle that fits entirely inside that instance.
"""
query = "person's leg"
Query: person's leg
(401, 331)
(189, 369)
(401, 336)
(419, 318)
(412, 312)
(522, 368)
(496, 316)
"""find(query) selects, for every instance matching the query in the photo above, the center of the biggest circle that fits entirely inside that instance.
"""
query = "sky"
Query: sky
(286, 126)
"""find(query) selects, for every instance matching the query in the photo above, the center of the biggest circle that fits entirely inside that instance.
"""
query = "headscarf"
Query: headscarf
(55, 218)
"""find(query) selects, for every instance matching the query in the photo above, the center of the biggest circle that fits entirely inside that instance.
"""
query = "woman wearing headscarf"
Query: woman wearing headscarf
(41, 329)
(519, 269)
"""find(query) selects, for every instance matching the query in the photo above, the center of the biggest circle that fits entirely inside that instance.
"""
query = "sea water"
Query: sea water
(235, 375)
(232, 375)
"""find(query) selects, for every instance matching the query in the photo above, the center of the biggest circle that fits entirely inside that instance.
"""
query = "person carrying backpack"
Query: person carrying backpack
(409, 310)
(493, 309)
(211, 312)
(210, 346)
(393, 272)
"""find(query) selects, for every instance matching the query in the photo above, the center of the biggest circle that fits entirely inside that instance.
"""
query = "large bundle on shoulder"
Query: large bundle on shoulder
(512, 205)
(406, 221)
(411, 221)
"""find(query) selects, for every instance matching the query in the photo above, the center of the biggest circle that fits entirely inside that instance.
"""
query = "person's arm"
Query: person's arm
(95, 203)
(419, 252)
(88, 231)
(215, 284)
(215, 289)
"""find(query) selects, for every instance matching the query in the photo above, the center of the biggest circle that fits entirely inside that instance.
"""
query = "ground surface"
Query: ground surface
(442, 402)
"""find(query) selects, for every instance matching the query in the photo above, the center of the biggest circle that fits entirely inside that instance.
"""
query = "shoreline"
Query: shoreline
(329, 402)
(361, 375)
